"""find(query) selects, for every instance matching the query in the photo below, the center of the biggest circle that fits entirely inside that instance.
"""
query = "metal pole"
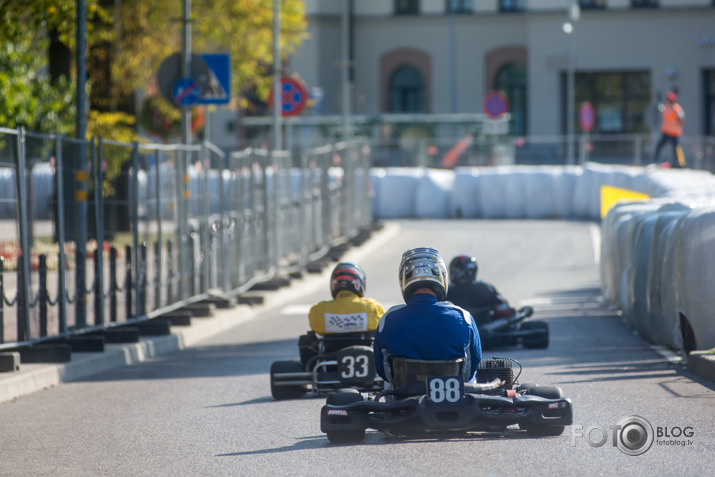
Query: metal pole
(569, 29)
(452, 60)
(345, 43)
(570, 102)
(277, 90)
(81, 120)
(81, 165)
(186, 72)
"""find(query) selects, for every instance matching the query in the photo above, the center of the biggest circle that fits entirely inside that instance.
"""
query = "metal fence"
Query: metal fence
(84, 247)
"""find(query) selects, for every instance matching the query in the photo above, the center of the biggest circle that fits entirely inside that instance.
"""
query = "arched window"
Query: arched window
(511, 79)
(406, 91)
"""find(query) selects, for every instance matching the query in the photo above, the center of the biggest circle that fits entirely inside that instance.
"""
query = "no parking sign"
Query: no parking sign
(586, 116)
(293, 96)
(495, 104)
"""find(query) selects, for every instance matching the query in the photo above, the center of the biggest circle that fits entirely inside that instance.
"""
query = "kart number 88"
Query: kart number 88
(445, 390)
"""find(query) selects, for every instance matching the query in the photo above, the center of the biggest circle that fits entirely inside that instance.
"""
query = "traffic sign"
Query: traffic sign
(293, 96)
(586, 116)
(495, 104)
(169, 77)
(185, 92)
(219, 87)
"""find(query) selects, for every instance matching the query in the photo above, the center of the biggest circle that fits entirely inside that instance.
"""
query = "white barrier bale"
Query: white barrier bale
(676, 182)
(465, 199)
(548, 192)
(501, 194)
(433, 194)
(695, 257)
(587, 190)
(640, 270)
(660, 286)
(395, 192)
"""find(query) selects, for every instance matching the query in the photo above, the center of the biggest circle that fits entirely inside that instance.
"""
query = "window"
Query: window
(644, 3)
(592, 4)
(511, 5)
(406, 91)
(407, 7)
(511, 80)
(459, 6)
(620, 99)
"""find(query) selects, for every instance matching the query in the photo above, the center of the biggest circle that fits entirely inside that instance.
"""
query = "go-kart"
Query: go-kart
(431, 397)
(327, 363)
(496, 332)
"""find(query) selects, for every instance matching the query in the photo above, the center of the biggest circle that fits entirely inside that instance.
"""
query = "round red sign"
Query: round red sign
(586, 116)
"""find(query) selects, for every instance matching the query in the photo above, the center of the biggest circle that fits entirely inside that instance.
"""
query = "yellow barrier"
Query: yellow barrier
(611, 195)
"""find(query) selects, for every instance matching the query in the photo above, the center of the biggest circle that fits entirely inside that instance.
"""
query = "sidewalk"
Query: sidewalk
(36, 377)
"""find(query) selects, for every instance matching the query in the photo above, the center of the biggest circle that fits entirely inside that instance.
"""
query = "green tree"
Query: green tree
(127, 41)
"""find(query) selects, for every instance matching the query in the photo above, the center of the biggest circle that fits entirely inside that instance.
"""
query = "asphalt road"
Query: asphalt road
(207, 410)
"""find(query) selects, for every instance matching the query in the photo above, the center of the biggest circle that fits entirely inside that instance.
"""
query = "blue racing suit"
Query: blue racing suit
(428, 329)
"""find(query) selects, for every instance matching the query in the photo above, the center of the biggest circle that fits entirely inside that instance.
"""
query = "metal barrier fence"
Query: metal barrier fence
(81, 251)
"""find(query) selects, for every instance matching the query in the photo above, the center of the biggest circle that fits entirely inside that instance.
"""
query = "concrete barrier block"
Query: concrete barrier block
(9, 362)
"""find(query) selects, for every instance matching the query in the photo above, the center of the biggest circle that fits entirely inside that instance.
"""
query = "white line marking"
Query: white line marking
(296, 310)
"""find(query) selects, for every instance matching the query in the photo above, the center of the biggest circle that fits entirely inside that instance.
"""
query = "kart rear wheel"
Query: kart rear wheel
(291, 391)
(340, 398)
(540, 340)
(547, 392)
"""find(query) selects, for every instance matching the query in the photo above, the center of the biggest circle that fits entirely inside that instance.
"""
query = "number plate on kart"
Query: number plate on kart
(356, 366)
(445, 390)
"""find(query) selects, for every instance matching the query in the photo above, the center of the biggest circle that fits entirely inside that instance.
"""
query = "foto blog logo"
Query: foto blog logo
(632, 435)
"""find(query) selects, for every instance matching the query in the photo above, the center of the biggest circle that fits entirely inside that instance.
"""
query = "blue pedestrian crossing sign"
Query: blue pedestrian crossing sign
(219, 88)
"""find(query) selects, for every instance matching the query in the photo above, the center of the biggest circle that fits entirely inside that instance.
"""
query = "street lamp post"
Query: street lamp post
(568, 27)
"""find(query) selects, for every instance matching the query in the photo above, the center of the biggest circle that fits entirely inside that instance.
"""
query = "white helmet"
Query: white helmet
(423, 268)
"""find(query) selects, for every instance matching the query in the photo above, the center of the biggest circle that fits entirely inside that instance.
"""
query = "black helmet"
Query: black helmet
(423, 268)
(347, 276)
(463, 269)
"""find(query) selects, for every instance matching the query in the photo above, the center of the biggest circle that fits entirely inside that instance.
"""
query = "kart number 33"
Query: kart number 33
(355, 366)
(445, 390)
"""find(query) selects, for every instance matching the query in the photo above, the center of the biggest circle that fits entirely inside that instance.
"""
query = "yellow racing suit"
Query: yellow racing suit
(347, 313)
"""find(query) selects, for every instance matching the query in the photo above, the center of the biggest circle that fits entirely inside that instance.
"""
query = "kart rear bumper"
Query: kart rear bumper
(472, 413)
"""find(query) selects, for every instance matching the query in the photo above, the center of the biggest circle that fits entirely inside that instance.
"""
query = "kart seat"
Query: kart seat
(336, 341)
(406, 372)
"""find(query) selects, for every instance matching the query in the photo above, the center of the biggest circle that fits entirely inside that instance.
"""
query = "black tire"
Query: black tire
(539, 341)
(526, 387)
(547, 392)
(342, 397)
(280, 393)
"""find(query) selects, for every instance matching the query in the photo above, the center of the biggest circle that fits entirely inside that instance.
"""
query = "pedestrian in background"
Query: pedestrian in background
(671, 129)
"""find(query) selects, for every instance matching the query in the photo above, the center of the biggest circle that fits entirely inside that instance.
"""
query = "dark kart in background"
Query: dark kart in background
(496, 332)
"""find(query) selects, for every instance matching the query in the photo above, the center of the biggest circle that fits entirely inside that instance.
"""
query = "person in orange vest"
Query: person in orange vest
(671, 129)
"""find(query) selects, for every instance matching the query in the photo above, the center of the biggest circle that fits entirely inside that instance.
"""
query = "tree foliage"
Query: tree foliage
(133, 37)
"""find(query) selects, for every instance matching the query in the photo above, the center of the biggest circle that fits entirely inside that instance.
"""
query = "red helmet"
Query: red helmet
(463, 269)
(671, 96)
(347, 276)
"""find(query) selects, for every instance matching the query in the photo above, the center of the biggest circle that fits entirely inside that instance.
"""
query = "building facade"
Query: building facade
(445, 56)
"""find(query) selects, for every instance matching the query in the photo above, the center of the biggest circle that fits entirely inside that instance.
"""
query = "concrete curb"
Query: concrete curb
(702, 364)
(35, 377)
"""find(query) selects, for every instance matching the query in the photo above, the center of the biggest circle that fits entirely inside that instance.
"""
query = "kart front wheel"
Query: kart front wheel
(285, 391)
(540, 337)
